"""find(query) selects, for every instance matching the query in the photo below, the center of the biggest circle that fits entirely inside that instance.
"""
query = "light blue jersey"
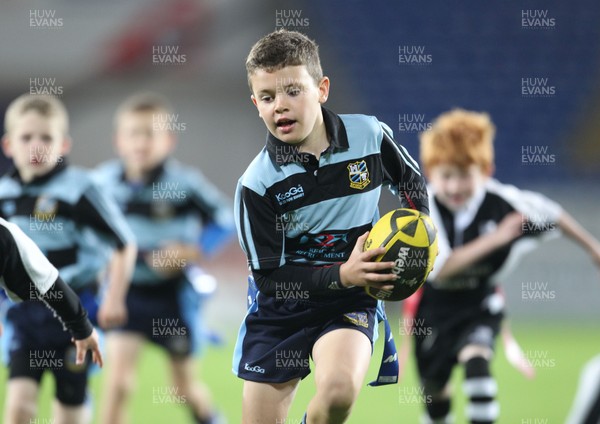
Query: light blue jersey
(176, 205)
(73, 222)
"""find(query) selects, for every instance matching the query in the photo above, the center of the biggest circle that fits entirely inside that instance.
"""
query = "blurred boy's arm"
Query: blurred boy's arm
(27, 273)
(580, 235)
(102, 214)
(464, 256)
(215, 209)
(182, 254)
(402, 172)
(112, 311)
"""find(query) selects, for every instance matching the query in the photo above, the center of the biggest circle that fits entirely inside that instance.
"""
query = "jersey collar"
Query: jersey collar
(338, 139)
(152, 175)
(60, 166)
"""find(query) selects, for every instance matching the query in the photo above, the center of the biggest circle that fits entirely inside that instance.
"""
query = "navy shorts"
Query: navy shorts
(38, 343)
(166, 315)
(277, 336)
(441, 333)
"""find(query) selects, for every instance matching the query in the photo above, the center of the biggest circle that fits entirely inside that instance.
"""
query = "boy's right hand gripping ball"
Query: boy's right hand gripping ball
(410, 241)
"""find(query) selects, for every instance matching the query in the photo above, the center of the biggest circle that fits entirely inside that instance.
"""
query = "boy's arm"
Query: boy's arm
(101, 213)
(112, 311)
(216, 212)
(27, 273)
(263, 242)
(403, 174)
(467, 255)
(576, 232)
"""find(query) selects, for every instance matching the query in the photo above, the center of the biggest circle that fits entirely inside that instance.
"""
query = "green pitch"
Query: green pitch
(559, 349)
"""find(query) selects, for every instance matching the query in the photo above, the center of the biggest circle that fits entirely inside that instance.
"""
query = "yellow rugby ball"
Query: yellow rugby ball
(410, 241)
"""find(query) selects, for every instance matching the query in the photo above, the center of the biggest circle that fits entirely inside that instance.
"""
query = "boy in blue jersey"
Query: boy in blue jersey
(483, 228)
(167, 206)
(304, 208)
(78, 229)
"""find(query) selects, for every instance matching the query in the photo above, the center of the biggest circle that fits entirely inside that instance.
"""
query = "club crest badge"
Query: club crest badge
(45, 208)
(358, 174)
(359, 319)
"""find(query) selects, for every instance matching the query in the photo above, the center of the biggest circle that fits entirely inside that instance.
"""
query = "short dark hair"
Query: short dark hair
(283, 48)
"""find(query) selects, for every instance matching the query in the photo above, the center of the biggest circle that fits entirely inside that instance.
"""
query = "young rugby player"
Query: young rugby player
(483, 227)
(26, 274)
(169, 207)
(304, 208)
(78, 229)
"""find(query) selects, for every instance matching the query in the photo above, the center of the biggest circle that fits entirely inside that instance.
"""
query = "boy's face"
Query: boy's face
(454, 186)
(142, 141)
(289, 101)
(36, 144)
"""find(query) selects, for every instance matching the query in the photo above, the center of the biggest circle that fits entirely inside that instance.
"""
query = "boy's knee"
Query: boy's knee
(21, 412)
(122, 385)
(339, 393)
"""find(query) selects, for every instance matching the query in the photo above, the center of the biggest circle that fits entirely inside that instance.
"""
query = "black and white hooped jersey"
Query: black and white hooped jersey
(482, 215)
(75, 225)
(292, 209)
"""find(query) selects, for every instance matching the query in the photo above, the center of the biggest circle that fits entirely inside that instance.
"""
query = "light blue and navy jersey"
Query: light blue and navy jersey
(177, 204)
(298, 218)
(75, 225)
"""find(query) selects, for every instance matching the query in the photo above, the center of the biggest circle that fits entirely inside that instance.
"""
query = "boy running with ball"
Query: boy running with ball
(304, 208)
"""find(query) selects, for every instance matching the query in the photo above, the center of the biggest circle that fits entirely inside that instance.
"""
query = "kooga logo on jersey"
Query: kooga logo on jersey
(292, 194)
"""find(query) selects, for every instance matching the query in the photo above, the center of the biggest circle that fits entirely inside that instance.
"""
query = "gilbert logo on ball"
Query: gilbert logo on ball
(410, 241)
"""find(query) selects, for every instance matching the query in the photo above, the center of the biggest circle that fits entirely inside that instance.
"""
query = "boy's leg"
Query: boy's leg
(196, 394)
(341, 359)
(479, 386)
(435, 356)
(123, 350)
(437, 402)
(267, 402)
(70, 405)
(66, 414)
(21, 400)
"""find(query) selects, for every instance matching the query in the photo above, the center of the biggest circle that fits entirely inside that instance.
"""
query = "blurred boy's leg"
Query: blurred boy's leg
(341, 360)
(437, 404)
(196, 394)
(267, 402)
(479, 386)
(66, 414)
(123, 350)
(21, 401)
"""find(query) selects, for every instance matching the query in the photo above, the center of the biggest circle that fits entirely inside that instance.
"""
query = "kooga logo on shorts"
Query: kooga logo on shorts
(292, 194)
(255, 368)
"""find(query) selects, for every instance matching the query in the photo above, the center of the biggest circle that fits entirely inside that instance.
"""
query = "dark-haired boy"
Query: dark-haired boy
(304, 207)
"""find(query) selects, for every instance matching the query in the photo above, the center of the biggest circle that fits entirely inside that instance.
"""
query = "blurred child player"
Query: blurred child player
(304, 208)
(78, 229)
(167, 205)
(26, 274)
(480, 228)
